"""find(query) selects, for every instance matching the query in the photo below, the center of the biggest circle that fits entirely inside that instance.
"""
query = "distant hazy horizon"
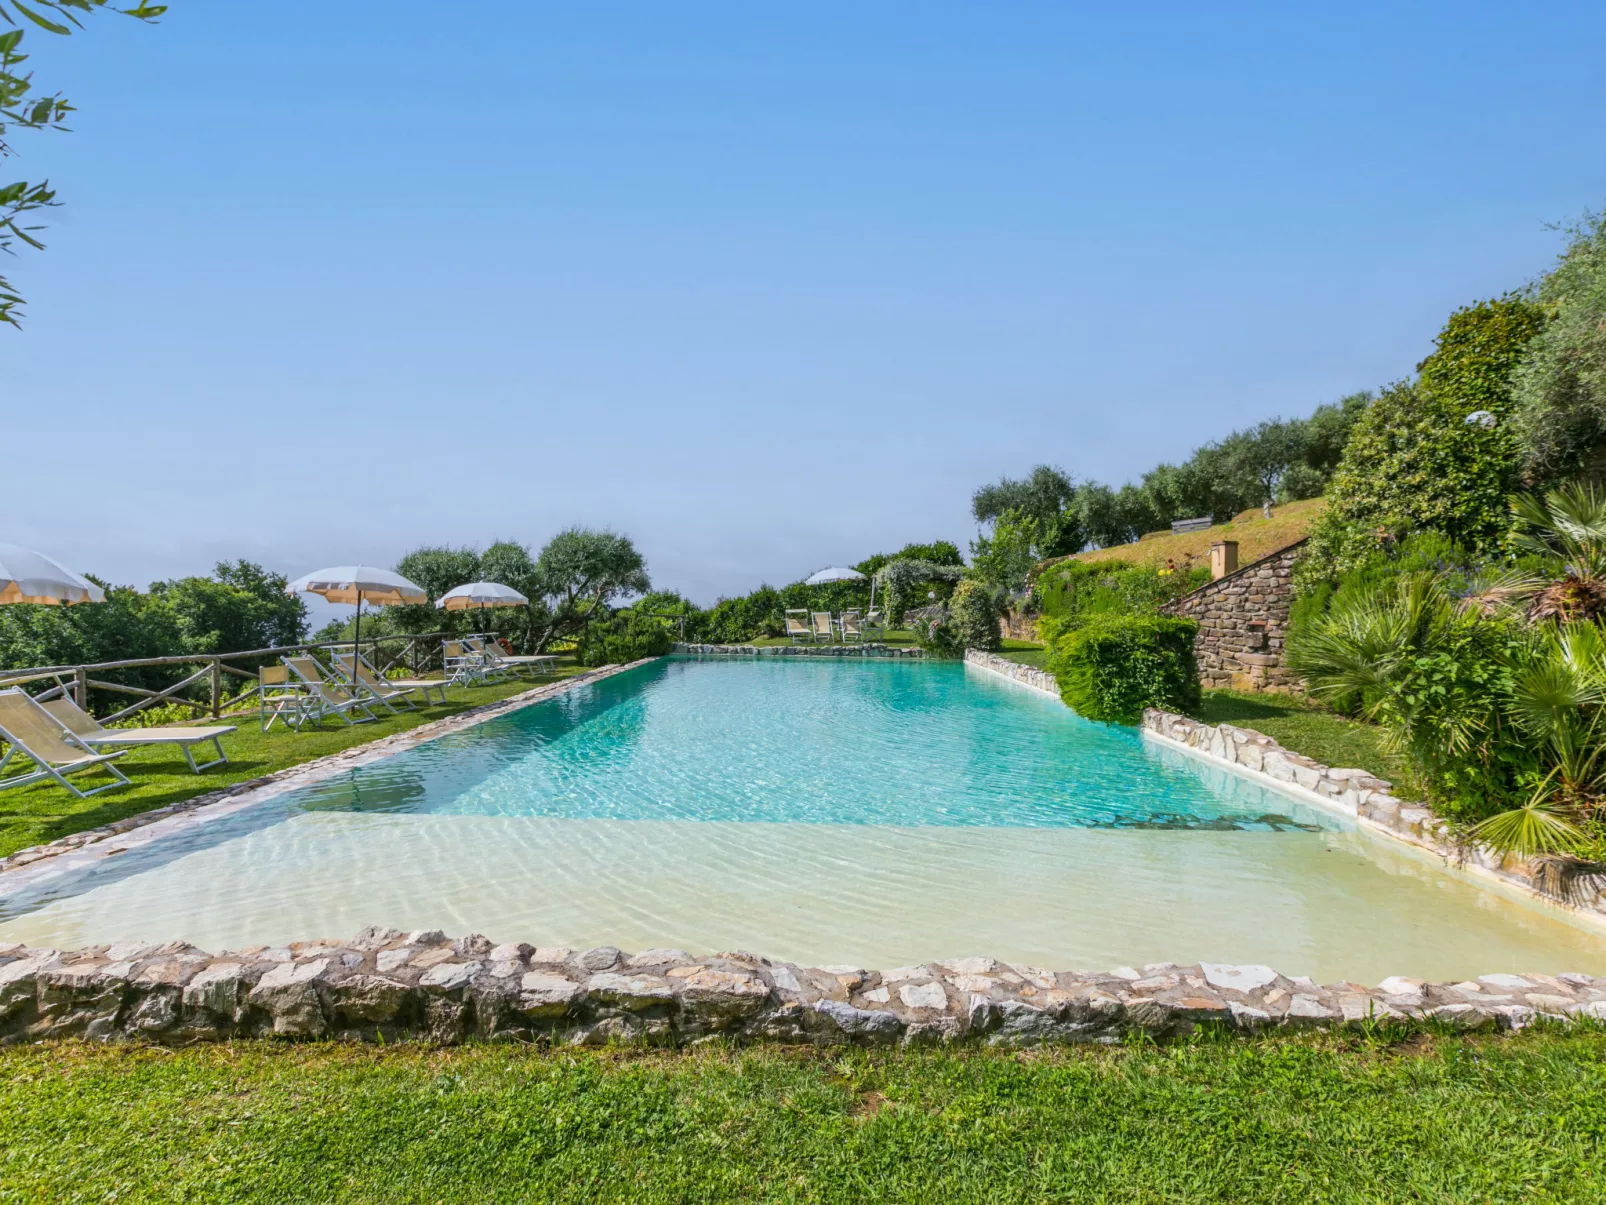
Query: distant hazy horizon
(765, 289)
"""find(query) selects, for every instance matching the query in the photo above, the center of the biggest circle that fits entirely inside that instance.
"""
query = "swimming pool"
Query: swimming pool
(869, 812)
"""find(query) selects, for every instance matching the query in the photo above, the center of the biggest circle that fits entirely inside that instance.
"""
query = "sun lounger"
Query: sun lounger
(328, 697)
(85, 727)
(510, 662)
(387, 689)
(849, 625)
(797, 626)
(822, 626)
(370, 687)
(32, 731)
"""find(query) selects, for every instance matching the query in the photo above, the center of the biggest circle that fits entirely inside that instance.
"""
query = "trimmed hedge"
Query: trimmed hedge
(1115, 666)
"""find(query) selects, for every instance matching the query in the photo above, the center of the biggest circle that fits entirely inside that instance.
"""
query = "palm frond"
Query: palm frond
(1536, 828)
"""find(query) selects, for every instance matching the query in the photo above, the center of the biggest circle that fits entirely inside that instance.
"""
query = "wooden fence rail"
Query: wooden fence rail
(421, 652)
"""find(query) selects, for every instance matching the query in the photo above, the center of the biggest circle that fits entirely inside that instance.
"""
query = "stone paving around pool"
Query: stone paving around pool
(383, 985)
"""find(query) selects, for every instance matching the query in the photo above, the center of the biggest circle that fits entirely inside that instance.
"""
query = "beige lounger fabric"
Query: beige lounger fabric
(89, 730)
(32, 731)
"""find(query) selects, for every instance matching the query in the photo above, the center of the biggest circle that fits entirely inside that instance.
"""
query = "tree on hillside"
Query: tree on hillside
(580, 571)
(1561, 388)
(23, 109)
(1046, 496)
(1264, 454)
(1435, 454)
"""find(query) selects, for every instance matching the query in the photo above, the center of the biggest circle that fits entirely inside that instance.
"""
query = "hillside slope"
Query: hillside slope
(1257, 537)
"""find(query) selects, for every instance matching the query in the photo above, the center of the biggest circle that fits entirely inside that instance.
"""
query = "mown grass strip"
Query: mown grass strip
(1308, 1119)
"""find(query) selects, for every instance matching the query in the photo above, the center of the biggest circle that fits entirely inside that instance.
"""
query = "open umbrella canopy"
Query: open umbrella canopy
(32, 577)
(834, 575)
(477, 595)
(360, 583)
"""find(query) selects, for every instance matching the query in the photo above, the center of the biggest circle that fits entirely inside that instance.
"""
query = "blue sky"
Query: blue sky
(767, 288)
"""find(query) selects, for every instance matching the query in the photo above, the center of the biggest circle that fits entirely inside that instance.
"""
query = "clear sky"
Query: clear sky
(767, 287)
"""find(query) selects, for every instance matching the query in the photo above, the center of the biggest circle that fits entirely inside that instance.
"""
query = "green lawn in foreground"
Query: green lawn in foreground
(1306, 727)
(1025, 652)
(1310, 1119)
(45, 812)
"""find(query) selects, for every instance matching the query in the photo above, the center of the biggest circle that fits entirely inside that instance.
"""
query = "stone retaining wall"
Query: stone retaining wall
(1358, 794)
(1037, 679)
(795, 650)
(383, 985)
(1243, 619)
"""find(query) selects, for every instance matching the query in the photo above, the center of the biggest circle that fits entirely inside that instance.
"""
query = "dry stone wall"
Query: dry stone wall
(384, 985)
(1243, 622)
(1037, 679)
(1359, 794)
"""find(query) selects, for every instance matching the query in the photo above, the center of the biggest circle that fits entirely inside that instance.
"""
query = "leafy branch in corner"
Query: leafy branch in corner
(22, 109)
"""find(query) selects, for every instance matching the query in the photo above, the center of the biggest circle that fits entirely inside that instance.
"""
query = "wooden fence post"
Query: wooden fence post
(217, 686)
(81, 687)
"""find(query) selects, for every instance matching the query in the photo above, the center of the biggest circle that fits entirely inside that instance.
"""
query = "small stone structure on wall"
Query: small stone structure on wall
(1243, 620)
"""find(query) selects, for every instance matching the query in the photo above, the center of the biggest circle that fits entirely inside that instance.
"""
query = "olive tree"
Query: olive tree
(21, 108)
(581, 571)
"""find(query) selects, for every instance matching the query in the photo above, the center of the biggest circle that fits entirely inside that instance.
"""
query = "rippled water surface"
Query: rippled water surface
(877, 812)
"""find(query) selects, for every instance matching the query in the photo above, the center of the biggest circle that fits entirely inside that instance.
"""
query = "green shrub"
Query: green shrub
(1414, 461)
(1073, 592)
(1113, 666)
(933, 632)
(623, 637)
(973, 616)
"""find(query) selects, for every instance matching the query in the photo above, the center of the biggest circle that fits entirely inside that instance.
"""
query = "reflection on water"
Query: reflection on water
(879, 813)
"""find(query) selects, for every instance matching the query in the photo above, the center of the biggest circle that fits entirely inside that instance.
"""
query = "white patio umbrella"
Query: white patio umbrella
(480, 596)
(839, 574)
(825, 576)
(359, 584)
(32, 577)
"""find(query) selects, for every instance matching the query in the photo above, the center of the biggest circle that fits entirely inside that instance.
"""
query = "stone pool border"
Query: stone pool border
(1357, 794)
(28, 867)
(386, 986)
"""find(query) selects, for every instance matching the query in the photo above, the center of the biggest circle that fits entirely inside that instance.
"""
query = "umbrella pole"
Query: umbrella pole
(356, 639)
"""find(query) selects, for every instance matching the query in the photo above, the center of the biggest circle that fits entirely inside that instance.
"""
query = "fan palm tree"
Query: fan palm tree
(1567, 526)
(1557, 700)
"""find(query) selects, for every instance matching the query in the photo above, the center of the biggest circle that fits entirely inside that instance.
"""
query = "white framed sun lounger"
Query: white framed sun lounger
(822, 625)
(87, 729)
(797, 626)
(491, 663)
(329, 697)
(28, 729)
(511, 663)
(368, 686)
(849, 623)
(398, 688)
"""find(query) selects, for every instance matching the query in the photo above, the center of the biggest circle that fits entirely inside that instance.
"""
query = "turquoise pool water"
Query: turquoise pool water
(878, 812)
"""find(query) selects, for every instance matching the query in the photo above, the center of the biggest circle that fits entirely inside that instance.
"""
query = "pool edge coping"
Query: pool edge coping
(69, 854)
(1458, 862)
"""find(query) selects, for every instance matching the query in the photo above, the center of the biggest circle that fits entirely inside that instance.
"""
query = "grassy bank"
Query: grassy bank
(1305, 727)
(1025, 652)
(44, 812)
(1308, 1119)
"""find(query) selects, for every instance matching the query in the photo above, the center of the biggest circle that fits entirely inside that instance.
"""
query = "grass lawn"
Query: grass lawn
(44, 812)
(1025, 652)
(1308, 728)
(1276, 1120)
